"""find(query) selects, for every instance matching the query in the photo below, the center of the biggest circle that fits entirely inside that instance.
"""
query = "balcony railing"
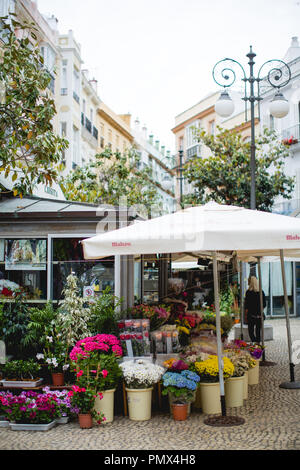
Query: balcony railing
(95, 132)
(88, 125)
(193, 152)
(76, 97)
(291, 135)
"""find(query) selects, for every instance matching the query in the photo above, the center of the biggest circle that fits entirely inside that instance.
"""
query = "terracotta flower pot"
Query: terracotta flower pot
(58, 379)
(179, 411)
(85, 421)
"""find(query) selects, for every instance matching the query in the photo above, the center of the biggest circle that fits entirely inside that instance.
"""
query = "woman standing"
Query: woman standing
(252, 309)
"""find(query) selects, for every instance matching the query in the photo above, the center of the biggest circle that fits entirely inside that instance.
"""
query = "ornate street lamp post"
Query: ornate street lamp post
(278, 76)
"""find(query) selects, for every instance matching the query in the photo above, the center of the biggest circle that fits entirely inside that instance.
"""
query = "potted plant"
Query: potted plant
(255, 352)
(19, 373)
(66, 411)
(96, 359)
(55, 356)
(32, 411)
(180, 386)
(208, 371)
(139, 377)
(234, 385)
(4, 396)
(83, 399)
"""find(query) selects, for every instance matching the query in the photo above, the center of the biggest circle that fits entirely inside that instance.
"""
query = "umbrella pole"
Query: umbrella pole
(263, 362)
(241, 300)
(292, 383)
(261, 309)
(218, 330)
(223, 419)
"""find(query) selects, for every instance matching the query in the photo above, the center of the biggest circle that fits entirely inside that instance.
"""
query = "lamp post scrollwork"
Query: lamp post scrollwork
(278, 76)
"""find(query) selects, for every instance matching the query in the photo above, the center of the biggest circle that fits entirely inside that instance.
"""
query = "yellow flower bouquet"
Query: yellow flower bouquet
(208, 370)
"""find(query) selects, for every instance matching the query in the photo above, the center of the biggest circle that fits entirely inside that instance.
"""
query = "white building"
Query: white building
(160, 161)
(288, 128)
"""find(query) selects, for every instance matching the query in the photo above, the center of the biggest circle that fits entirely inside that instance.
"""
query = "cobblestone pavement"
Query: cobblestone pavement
(271, 419)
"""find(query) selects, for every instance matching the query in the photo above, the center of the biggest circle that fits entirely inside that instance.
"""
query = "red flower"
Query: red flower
(6, 292)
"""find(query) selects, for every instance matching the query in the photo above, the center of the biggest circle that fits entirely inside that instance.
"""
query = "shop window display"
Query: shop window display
(23, 268)
(93, 276)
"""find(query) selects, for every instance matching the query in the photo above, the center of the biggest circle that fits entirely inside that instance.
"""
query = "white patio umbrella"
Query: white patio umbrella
(213, 229)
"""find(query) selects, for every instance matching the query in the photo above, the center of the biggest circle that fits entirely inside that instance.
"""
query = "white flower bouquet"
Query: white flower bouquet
(141, 374)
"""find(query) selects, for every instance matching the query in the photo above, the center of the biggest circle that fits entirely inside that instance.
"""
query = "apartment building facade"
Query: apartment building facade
(162, 164)
(202, 116)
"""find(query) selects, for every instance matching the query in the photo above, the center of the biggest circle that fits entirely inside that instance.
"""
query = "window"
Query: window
(181, 143)
(76, 151)
(68, 257)
(64, 81)
(63, 129)
(272, 126)
(83, 106)
(190, 133)
(109, 138)
(76, 85)
(49, 57)
(23, 264)
(212, 127)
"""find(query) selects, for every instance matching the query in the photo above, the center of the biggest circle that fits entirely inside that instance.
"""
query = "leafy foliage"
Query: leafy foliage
(20, 370)
(73, 316)
(104, 314)
(14, 323)
(109, 178)
(39, 323)
(30, 152)
(225, 176)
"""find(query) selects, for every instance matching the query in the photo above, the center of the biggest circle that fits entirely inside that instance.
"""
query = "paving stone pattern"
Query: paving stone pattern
(271, 419)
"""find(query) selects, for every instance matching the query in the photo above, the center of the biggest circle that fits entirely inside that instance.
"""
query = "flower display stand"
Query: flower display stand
(210, 397)
(234, 391)
(21, 383)
(106, 405)
(253, 375)
(32, 427)
(63, 420)
(139, 403)
(3, 423)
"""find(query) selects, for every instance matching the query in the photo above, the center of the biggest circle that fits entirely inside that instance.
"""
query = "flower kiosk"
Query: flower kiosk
(215, 231)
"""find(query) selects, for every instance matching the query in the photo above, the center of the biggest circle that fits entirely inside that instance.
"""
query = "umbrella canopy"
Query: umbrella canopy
(211, 227)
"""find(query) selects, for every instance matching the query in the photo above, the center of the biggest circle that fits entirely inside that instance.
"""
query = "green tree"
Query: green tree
(30, 151)
(225, 176)
(110, 177)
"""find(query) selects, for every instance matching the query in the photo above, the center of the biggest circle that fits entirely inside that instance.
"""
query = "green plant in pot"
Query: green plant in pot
(180, 385)
(55, 355)
(21, 370)
(104, 314)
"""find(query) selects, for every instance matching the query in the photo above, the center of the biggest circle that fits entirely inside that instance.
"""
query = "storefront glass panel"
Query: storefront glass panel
(93, 276)
(273, 287)
(23, 268)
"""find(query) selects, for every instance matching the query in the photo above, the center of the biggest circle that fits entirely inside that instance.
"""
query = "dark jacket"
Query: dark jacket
(252, 304)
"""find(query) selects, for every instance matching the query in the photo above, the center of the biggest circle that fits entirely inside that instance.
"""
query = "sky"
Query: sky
(154, 58)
